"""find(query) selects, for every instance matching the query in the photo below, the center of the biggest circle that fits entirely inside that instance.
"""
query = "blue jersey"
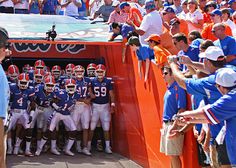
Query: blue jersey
(101, 90)
(228, 45)
(61, 81)
(224, 109)
(145, 52)
(82, 87)
(41, 98)
(66, 102)
(206, 87)
(20, 98)
(174, 99)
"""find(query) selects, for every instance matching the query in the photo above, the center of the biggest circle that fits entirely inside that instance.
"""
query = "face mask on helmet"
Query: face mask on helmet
(23, 84)
(13, 72)
(38, 79)
(71, 88)
(79, 73)
(49, 87)
(91, 72)
(56, 74)
(100, 74)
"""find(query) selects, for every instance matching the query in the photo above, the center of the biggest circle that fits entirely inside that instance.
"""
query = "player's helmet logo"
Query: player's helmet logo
(13, 72)
(39, 64)
(23, 81)
(56, 71)
(69, 69)
(100, 71)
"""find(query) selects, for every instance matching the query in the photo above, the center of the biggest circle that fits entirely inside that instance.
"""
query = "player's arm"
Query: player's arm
(112, 98)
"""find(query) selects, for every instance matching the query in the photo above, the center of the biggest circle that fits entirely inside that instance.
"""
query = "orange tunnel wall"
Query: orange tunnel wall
(137, 122)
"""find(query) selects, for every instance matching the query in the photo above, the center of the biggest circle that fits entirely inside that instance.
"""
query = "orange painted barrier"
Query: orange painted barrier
(137, 122)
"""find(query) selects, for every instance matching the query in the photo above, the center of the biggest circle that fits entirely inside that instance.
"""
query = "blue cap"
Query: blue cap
(216, 12)
(169, 9)
(149, 4)
(231, 1)
(123, 4)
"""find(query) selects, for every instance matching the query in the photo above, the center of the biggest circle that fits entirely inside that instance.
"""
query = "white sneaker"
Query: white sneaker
(86, 152)
(68, 152)
(108, 150)
(9, 151)
(16, 150)
(28, 153)
(38, 152)
(55, 152)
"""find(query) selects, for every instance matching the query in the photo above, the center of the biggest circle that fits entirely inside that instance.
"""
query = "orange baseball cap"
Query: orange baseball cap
(154, 37)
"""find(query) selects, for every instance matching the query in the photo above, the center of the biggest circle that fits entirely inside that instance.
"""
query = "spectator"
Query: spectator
(143, 52)
(6, 6)
(35, 7)
(104, 11)
(232, 5)
(4, 87)
(227, 21)
(221, 110)
(117, 15)
(226, 43)
(151, 23)
(184, 12)
(181, 43)
(134, 14)
(21, 7)
(82, 8)
(194, 17)
(174, 103)
(71, 7)
(209, 7)
(177, 6)
(207, 30)
(94, 5)
(195, 38)
(160, 52)
(169, 14)
(174, 26)
(49, 7)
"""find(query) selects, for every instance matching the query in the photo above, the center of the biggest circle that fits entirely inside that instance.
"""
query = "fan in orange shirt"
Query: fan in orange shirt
(160, 52)
(134, 14)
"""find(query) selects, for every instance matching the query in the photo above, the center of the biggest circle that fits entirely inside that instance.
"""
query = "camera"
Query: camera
(51, 34)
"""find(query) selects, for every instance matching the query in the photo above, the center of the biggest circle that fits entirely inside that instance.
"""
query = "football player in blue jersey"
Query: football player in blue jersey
(69, 70)
(82, 112)
(91, 70)
(56, 72)
(65, 100)
(44, 94)
(38, 76)
(221, 110)
(21, 95)
(101, 107)
(39, 64)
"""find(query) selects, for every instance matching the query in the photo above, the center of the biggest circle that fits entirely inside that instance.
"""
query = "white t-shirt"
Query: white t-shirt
(97, 4)
(151, 24)
(8, 3)
(24, 4)
(71, 9)
(194, 17)
(232, 25)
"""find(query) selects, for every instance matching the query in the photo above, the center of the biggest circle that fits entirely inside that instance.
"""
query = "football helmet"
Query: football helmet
(70, 86)
(38, 75)
(56, 71)
(13, 72)
(23, 81)
(69, 69)
(39, 64)
(49, 84)
(91, 69)
(100, 71)
(79, 71)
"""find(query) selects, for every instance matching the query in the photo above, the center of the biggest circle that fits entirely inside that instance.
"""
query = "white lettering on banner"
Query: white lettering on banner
(29, 47)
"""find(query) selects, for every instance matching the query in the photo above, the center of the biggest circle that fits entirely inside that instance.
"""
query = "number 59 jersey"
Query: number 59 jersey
(20, 98)
(101, 90)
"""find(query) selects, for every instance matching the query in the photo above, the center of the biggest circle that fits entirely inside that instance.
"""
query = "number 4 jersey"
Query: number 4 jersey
(101, 90)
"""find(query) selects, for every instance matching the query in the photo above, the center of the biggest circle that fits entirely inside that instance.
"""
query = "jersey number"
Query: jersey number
(20, 101)
(83, 90)
(100, 91)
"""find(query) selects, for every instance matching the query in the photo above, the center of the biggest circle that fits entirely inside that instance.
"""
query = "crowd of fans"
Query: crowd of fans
(201, 34)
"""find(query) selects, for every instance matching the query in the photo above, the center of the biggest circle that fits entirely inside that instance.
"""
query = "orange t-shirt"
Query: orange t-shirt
(207, 34)
(166, 41)
(183, 27)
(161, 54)
(136, 16)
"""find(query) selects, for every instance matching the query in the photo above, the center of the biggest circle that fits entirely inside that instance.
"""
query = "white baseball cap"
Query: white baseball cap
(212, 53)
(226, 77)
